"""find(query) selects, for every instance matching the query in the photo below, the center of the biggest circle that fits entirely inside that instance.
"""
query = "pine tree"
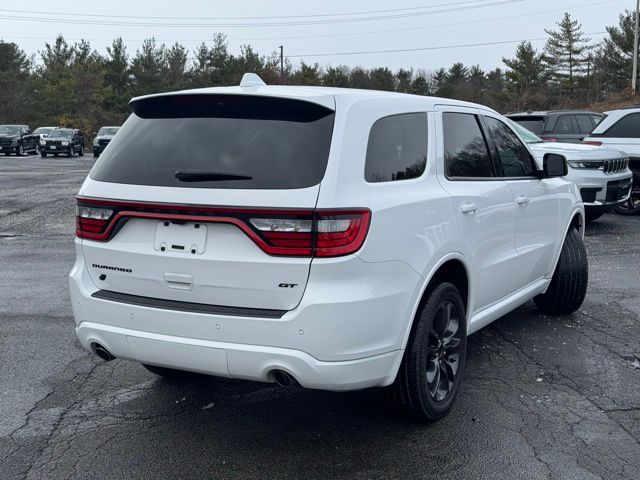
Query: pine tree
(526, 75)
(14, 75)
(566, 52)
(614, 56)
(336, 77)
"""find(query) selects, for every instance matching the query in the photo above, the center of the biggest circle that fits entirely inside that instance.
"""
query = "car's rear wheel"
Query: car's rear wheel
(20, 150)
(431, 370)
(568, 286)
(81, 152)
(169, 373)
(43, 154)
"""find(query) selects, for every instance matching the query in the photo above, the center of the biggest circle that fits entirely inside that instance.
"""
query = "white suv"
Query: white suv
(620, 129)
(342, 239)
(601, 174)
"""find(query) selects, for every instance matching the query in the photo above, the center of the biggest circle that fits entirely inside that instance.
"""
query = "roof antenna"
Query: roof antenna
(251, 80)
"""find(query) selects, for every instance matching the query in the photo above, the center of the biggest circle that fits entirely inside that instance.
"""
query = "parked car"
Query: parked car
(65, 141)
(601, 174)
(337, 238)
(566, 126)
(43, 132)
(620, 129)
(102, 139)
(17, 139)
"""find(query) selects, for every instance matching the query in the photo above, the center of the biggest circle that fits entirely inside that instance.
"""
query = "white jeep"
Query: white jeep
(601, 174)
(341, 239)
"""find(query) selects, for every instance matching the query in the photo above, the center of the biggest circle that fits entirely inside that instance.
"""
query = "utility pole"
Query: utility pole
(635, 51)
(282, 58)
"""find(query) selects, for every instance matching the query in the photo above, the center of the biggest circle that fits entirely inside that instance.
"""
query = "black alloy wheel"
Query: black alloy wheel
(444, 351)
(430, 374)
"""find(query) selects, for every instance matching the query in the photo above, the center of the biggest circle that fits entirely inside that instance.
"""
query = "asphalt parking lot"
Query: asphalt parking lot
(542, 398)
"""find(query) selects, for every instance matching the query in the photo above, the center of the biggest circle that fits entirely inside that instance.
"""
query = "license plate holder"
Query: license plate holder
(189, 238)
(52, 147)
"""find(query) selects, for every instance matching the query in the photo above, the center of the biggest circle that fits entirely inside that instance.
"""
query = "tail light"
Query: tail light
(549, 139)
(306, 233)
(91, 220)
(592, 142)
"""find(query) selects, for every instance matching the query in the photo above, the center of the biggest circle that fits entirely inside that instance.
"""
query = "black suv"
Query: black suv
(567, 126)
(66, 141)
(17, 139)
(102, 139)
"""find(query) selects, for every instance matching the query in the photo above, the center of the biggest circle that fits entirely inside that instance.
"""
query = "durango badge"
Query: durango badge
(109, 267)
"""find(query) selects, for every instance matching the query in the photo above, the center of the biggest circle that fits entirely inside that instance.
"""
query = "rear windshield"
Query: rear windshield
(533, 124)
(220, 141)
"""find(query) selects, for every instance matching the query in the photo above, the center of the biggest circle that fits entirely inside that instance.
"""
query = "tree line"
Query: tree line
(74, 85)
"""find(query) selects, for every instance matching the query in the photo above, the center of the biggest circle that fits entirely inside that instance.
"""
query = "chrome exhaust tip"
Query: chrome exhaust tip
(102, 352)
(284, 379)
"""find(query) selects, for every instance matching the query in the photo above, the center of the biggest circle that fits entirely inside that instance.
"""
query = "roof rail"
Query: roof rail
(252, 80)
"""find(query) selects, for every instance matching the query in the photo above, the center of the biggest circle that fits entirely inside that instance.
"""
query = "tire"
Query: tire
(439, 331)
(55, 154)
(81, 152)
(43, 154)
(631, 206)
(70, 152)
(20, 151)
(169, 374)
(568, 286)
(95, 154)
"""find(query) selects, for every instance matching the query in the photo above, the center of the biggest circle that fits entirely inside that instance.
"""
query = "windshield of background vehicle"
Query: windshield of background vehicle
(61, 134)
(7, 130)
(107, 131)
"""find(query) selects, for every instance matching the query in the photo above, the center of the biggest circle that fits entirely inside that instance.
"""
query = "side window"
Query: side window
(597, 119)
(397, 148)
(627, 127)
(585, 125)
(564, 124)
(465, 150)
(514, 159)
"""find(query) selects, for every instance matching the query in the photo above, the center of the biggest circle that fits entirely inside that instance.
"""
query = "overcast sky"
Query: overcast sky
(312, 28)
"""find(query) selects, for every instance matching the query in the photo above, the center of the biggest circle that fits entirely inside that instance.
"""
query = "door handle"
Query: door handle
(469, 207)
(522, 200)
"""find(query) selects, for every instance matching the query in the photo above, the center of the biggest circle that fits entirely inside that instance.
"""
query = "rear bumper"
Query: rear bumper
(8, 148)
(250, 362)
(346, 334)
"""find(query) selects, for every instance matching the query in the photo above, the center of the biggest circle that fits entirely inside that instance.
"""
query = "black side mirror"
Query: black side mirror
(554, 165)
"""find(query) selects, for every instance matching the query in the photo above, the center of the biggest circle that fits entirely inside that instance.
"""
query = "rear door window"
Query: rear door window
(627, 127)
(585, 125)
(564, 124)
(465, 150)
(220, 141)
(514, 160)
(397, 148)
